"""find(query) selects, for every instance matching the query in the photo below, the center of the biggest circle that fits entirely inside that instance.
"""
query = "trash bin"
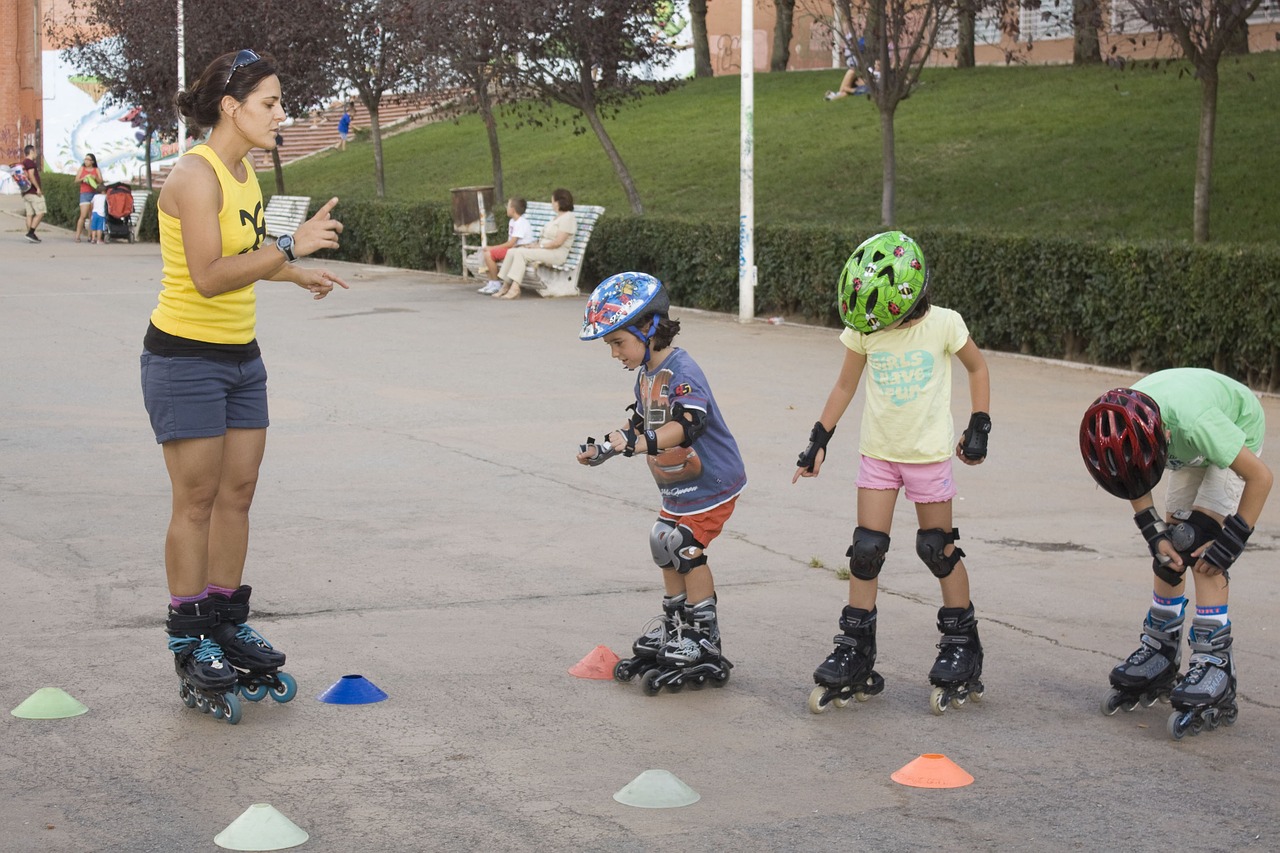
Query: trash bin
(473, 210)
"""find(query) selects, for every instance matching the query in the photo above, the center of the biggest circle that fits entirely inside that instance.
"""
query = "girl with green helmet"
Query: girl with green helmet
(905, 346)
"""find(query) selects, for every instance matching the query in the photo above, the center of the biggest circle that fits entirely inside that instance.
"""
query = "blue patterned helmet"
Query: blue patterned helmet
(620, 302)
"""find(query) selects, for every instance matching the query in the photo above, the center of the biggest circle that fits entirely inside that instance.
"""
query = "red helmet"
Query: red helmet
(1123, 443)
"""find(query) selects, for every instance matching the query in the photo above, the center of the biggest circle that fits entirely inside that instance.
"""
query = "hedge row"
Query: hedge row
(1139, 306)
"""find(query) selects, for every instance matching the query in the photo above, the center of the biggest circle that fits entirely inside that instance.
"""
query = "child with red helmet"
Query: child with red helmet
(1207, 430)
(907, 440)
(677, 426)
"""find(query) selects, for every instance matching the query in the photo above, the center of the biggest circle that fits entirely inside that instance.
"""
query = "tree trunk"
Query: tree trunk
(1086, 19)
(375, 130)
(279, 170)
(784, 15)
(887, 199)
(967, 20)
(619, 167)
(701, 47)
(1204, 150)
(481, 83)
(1238, 40)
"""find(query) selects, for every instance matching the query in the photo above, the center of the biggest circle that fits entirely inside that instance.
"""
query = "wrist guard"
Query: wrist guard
(973, 442)
(651, 442)
(818, 438)
(603, 452)
(629, 433)
(1229, 545)
(636, 419)
(1153, 530)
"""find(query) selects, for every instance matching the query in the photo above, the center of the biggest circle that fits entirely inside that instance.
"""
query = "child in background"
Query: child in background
(98, 222)
(1207, 430)
(676, 424)
(906, 443)
(519, 233)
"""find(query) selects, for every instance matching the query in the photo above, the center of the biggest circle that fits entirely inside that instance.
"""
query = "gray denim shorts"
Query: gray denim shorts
(190, 397)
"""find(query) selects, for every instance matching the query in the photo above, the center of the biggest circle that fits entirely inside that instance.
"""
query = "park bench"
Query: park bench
(139, 204)
(546, 279)
(285, 213)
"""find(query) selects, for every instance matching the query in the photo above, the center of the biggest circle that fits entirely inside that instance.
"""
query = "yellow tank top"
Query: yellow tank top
(227, 318)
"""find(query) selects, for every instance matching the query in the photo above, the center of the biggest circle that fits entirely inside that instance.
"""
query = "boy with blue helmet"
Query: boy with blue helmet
(677, 426)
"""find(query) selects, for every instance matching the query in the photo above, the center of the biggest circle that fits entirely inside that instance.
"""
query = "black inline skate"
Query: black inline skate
(957, 673)
(1151, 671)
(208, 681)
(849, 671)
(692, 654)
(645, 650)
(1206, 697)
(256, 662)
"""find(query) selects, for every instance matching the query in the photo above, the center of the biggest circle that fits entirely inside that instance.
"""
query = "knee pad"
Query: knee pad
(674, 547)
(931, 546)
(866, 554)
(1190, 530)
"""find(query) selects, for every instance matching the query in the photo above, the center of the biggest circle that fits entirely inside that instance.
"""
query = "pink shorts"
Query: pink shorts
(924, 483)
(497, 252)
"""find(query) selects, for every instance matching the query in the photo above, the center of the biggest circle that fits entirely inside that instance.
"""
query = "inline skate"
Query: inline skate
(1151, 671)
(1206, 697)
(692, 654)
(208, 682)
(645, 650)
(255, 661)
(849, 671)
(957, 673)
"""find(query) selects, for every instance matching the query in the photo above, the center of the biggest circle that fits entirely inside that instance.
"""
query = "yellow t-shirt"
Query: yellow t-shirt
(907, 414)
(227, 318)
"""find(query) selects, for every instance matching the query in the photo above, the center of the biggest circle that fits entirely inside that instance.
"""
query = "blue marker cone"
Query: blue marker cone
(352, 690)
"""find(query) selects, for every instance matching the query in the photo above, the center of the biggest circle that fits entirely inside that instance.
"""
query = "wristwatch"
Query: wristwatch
(285, 244)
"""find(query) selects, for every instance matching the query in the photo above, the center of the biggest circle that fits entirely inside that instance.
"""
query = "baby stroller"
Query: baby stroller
(119, 212)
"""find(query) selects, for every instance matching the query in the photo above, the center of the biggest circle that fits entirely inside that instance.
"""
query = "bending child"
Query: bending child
(905, 347)
(677, 426)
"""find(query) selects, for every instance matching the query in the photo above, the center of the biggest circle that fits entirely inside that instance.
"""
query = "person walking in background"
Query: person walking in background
(90, 179)
(905, 346)
(552, 247)
(344, 128)
(1207, 430)
(676, 425)
(203, 379)
(32, 193)
(98, 223)
(519, 233)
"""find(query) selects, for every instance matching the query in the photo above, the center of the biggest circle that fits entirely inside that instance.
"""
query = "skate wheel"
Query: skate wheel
(1211, 718)
(622, 671)
(1149, 699)
(188, 698)
(939, 701)
(720, 679)
(287, 690)
(1230, 714)
(202, 704)
(649, 683)
(977, 691)
(676, 684)
(697, 682)
(1111, 702)
(229, 709)
(818, 701)
(1177, 725)
(842, 702)
(254, 694)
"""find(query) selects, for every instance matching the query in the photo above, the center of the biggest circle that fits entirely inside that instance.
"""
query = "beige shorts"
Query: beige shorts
(1209, 487)
(34, 204)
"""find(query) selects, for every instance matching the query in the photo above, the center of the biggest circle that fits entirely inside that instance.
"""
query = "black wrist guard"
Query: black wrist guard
(636, 419)
(651, 442)
(818, 438)
(603, 452)
(1153, 530)
(630, 435)
(1229, 545)
(973, 443)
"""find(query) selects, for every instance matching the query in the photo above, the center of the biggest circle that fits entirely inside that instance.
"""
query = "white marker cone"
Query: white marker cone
(657, 789)
(261, 827)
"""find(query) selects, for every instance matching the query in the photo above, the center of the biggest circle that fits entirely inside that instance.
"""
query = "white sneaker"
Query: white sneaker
(491, 287)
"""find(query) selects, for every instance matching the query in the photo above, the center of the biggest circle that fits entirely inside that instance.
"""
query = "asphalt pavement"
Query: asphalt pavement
(421, 521)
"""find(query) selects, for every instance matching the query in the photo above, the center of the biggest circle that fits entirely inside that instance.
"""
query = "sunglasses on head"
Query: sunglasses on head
(243, 58)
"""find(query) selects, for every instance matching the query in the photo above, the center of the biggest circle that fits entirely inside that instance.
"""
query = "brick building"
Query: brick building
(21, 92)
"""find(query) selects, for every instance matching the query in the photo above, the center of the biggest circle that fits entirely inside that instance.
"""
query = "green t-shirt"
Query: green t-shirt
(1209, 417)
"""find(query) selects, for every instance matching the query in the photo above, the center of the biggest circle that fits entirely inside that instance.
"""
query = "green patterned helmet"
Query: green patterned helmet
(881, 281)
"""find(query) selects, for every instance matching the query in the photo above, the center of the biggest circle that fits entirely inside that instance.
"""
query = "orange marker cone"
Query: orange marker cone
(932, 771)
(598, 664)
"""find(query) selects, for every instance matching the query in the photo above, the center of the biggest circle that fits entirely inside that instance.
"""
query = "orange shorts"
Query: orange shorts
(705, 526)
(498, 252)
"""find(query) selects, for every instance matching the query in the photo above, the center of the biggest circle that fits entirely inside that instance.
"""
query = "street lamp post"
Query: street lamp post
(746, 176)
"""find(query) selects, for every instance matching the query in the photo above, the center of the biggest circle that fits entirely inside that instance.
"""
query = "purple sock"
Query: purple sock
(178, 600)
(211, 589)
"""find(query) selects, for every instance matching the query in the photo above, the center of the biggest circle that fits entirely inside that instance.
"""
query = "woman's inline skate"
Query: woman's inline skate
(1206, 697)
(692, 654)
(1151, 672)
(646, 648)
(208, 681)
(849, 671)
(255, 661)
(957, 673)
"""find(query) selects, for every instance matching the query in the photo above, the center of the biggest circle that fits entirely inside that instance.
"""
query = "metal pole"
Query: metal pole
(746, 176)
(182, 81)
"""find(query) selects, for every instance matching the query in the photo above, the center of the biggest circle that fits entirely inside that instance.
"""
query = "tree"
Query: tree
(1204, 30)
(701, 45)
(1086, 20)
(591, 55)
(784, 15)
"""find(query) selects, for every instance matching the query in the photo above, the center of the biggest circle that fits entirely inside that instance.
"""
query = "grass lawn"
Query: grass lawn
(1030, 150)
